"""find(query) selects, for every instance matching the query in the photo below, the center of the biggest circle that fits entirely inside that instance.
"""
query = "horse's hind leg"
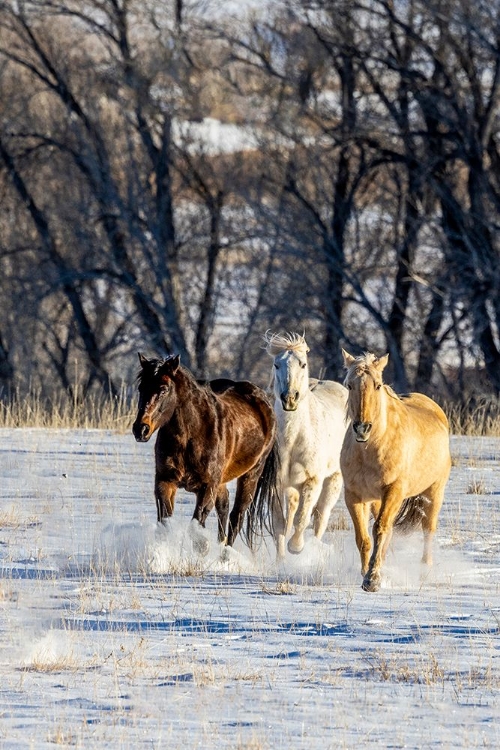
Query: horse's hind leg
(327, 499)
(222, 508)
(435, 495)
(245, 491)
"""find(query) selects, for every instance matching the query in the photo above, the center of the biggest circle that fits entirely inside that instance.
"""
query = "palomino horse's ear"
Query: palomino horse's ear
(142, 359)
(348, 359)
(381, 362)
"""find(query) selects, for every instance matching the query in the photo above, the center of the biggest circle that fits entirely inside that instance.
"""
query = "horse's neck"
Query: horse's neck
(386, 424)
(188, 414)
(293, 423)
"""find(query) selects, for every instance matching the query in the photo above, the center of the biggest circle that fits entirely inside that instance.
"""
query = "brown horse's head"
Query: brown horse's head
(157, 397)
(364, 383)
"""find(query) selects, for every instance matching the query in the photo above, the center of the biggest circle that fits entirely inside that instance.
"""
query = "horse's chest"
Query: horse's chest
(367, 471)
(299, 456)
(186, 463)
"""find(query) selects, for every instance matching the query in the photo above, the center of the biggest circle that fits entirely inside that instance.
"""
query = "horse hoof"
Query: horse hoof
(201, 546)
(295, 548)
(371, 583)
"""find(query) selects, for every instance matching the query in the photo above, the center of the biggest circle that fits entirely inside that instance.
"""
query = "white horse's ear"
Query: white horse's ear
(381, 362)
(348, 359)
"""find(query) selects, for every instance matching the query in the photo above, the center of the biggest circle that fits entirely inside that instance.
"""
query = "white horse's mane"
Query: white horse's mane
(281, 342)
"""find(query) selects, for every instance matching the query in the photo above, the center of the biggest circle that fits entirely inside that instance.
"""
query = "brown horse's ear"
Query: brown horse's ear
(170, 366)
(381, 362)
(174, 363)
(143, 360)
(348, 359)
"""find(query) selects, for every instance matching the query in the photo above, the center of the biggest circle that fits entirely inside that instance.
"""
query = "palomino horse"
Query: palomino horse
(311, 426)
(208, 434)
(395, 462)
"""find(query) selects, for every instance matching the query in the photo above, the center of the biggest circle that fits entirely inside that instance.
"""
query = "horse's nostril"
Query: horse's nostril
(362, 428)
(141, 431)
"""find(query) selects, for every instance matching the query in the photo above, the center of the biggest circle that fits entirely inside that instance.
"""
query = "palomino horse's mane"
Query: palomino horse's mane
(282, 342)
(363, 365)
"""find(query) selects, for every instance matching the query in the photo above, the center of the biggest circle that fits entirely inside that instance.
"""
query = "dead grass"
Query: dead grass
(101, 411)
(477, 487)
(474, 417)
(95, 411)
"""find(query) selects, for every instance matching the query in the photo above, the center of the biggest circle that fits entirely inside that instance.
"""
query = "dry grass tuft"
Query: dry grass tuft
(477, 487)
(282, 588)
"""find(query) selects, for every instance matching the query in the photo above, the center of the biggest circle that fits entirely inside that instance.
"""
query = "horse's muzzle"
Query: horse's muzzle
(289, 401)
(362, 431)
(142, 432)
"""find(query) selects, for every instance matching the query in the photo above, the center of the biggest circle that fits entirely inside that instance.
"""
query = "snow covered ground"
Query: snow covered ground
(114, 633)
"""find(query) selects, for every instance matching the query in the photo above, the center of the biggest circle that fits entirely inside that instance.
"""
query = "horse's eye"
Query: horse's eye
(378, 386)
(349, 387)
(303, 365)
(276, 365)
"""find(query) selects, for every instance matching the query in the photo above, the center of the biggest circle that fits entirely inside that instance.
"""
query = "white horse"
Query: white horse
(311, 416)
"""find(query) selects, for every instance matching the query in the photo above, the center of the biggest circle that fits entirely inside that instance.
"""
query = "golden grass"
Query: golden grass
(95, 411)
(480, 417)
(102, 411)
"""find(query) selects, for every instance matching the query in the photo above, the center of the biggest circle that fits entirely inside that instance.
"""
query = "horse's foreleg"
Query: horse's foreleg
(327, 499)
(165, 499)
(205, 501)
(309, 497)
(382, 532)
(222, 508)
(360, 515)
(292, 497)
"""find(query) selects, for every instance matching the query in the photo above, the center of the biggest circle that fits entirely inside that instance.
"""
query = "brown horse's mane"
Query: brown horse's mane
(282, 342)
(214, 386)
(363, 364)
(154, 366)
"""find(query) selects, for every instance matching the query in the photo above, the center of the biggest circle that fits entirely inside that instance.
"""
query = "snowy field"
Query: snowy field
(114, 633)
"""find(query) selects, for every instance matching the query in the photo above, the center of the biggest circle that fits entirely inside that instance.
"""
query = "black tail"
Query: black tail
(410, 514)
(260, 515)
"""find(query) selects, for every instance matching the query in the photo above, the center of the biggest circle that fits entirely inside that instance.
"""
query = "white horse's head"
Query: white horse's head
(291, 371)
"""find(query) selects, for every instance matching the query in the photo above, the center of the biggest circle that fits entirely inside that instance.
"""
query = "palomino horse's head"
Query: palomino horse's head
(157, 398)
(364, 383)
(291, 374)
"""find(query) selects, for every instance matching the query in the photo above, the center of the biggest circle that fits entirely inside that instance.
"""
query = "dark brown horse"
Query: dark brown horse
(208, 434)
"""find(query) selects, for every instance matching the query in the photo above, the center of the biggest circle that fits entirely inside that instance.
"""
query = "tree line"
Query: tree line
(179, 179)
